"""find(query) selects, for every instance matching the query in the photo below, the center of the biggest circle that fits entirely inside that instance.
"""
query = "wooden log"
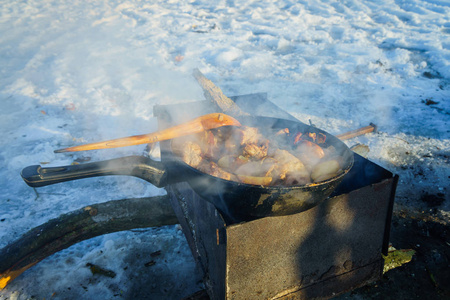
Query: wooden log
(214, 94)
(79, 225)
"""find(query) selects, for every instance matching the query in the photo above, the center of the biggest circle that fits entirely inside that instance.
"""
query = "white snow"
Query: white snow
(83, 71)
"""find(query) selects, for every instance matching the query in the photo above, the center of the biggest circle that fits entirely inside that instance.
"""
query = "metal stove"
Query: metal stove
(316, 254)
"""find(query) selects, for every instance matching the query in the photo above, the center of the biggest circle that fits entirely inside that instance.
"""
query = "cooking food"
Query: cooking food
(219, 145)
(275, 181)
(273, 158)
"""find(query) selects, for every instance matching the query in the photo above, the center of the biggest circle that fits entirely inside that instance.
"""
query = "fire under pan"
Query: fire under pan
(316, 254)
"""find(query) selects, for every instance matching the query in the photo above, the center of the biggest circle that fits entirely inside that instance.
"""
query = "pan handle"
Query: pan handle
(142, 167)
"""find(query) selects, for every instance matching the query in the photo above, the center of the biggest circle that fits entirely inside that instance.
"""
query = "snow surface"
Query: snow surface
(83, 71)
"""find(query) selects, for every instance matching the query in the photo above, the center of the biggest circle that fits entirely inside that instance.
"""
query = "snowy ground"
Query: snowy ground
(83, 71)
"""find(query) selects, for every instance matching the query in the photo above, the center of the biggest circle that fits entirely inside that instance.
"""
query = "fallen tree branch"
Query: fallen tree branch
(79, 225)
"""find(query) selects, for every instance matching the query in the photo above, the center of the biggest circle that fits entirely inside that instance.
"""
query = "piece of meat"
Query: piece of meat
(309, 153)
(245, 135)
(284, 131)
(230, 163)
(255, 151)
(250, 135)
(241, 137)
(227, 162)
(310, 148)
(191, 153)
(260, 168)
(210, 145)
(289, 167)
(325, 170)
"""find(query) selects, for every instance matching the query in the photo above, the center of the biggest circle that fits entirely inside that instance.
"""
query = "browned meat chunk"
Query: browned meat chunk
(260, 168)
(191, 154)
(255, 151)
(289, 168)
(325, 170)
(250, 135)
(245, 135)
(310, 148)
(231, 163)
(309, 153)
(243, 154)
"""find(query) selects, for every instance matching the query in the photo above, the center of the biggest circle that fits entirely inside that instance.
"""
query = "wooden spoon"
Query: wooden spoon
(199, 124)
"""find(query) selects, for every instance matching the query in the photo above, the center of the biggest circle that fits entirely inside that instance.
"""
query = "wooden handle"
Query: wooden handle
(199, 124)
(354, 133)
(214, 94)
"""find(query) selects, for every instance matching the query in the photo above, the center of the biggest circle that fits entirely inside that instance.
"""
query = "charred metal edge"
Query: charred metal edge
(387, 227)
(367, 272)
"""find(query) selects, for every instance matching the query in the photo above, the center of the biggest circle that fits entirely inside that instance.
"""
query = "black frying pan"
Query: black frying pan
(236, 201)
